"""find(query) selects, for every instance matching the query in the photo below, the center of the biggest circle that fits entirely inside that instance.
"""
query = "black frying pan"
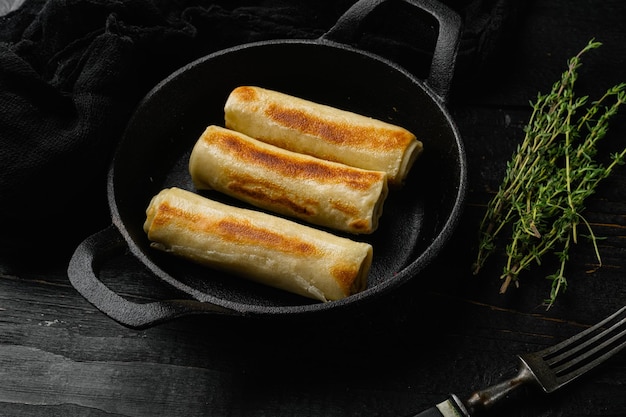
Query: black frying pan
(417, 221)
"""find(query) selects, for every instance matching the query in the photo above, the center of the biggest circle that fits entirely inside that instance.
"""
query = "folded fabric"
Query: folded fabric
(72, 71)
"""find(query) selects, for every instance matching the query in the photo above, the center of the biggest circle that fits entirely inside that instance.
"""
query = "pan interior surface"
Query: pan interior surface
(154, 152)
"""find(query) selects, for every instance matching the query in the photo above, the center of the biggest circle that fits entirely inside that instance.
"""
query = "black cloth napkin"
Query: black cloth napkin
(72, 71)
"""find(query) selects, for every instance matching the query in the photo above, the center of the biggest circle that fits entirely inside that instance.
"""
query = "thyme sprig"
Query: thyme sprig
(541, 198)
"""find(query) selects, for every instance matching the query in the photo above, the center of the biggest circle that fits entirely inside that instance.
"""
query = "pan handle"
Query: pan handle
(346, 30)
(82, 273)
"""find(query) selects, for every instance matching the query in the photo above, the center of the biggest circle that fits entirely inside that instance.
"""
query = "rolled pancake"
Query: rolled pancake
(267, 249)
(322, 131)
(317, 191)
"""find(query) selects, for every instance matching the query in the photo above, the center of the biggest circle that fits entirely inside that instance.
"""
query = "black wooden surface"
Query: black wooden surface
(447, 331)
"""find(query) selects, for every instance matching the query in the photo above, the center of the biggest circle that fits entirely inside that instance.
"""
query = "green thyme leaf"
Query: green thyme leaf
(540, 201)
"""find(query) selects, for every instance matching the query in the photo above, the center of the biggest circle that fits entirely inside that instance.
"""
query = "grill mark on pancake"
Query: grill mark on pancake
(292, 167)
(268, 193)
(337, 132)
(232, 229)
(246, 94)
(344, 274)
(351, 211)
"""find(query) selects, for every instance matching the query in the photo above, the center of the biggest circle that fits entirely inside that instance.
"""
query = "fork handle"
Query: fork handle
(485, 399)
(452, 407)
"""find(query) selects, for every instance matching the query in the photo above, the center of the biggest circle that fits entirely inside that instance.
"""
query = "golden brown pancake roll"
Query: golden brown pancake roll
(322, 131)
(317, 191)
(258, 246)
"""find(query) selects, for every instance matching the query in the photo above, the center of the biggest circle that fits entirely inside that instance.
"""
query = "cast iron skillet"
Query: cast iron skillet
(417, 221)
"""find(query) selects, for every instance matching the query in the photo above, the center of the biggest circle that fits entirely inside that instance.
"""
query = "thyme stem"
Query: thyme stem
(541, 198)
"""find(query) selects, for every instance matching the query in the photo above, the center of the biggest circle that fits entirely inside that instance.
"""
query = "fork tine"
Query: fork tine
(577, 355)
(583, 362)
(566, 345)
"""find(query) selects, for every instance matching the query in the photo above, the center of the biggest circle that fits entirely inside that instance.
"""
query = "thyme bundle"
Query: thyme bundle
(541, 198)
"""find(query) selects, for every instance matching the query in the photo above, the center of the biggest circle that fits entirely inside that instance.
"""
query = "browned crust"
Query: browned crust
(230, 229)
(174, 214)
(323, 131)
(289, 165)
(383, 137)
(340, 133)
(267, 176)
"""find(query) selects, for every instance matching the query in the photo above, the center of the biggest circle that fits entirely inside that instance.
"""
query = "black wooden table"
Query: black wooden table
(448, 331)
